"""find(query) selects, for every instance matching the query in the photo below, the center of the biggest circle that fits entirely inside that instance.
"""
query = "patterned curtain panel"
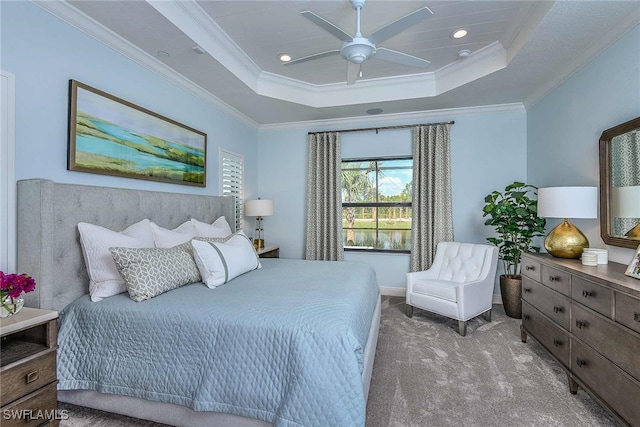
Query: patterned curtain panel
(432, 220)
(324, 204)
(625, 171)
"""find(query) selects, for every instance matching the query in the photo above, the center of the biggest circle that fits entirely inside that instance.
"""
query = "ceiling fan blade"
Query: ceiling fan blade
(314, 56)
(327, 26)
(353, 72)
(400, 58)
(400, 25)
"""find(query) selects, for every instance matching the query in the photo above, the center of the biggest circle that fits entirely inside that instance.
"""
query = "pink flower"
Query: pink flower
(13, 285)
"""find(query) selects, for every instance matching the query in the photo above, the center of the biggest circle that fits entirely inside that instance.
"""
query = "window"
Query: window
(231, 170)
(376, 204)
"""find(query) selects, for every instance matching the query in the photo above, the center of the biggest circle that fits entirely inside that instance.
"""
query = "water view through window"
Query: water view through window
(376, 204)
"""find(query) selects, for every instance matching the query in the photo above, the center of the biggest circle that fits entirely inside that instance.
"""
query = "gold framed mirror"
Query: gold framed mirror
(620, 185)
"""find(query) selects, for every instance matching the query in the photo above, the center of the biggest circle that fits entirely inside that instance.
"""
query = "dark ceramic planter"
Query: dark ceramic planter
(511, 291)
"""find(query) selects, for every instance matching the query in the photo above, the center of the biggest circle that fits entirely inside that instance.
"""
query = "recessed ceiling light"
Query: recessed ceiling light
(460, 33)
(163, 54)
(374, 111)
(284, 57)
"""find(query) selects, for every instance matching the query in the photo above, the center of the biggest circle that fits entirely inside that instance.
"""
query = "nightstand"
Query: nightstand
(28, 345)
(269, 252)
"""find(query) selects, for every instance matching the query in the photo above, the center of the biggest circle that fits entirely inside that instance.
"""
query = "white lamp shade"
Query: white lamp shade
(258, 207)
(568, 202)
(625, 202)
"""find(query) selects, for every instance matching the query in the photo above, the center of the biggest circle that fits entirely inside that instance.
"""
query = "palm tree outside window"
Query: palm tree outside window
(376, 204)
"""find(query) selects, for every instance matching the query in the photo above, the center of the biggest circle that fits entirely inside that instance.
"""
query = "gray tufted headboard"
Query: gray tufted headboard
(48, 240)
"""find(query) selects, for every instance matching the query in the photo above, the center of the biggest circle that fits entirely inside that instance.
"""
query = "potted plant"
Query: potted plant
(514, 215)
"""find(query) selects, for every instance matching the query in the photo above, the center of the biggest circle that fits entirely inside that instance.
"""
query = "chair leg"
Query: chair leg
(462, 328)
(409, 311)
(487, 315)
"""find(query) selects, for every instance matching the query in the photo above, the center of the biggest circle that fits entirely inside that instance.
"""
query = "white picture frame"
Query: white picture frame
(634, 267)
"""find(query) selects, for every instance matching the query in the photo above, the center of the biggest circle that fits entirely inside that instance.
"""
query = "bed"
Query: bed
(303, 375)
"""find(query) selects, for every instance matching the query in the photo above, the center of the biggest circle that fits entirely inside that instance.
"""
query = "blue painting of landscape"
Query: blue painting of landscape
(114, 138)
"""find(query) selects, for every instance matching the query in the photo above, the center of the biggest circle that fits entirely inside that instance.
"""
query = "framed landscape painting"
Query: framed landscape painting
(110, 136)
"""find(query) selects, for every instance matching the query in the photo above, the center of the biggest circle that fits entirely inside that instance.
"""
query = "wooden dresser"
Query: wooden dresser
(588, 318)
(28, 378)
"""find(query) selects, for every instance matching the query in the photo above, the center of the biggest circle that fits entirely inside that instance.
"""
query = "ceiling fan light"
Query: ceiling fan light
(357, 51)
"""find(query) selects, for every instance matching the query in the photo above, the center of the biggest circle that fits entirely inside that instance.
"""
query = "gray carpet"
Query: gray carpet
(425, 374)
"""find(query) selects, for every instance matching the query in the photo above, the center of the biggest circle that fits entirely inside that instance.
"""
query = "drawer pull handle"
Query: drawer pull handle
(33, 376)
(557, 343)
(530, 268)
(587, 294)
(636, 316)
(554, 279)
(580, 324)
(557, 309)
(526, 290)
(526, 317)
(581, 362)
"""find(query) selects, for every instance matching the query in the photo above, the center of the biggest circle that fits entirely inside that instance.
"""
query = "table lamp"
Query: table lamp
(625, 203)
(566, 241)
(258, 208)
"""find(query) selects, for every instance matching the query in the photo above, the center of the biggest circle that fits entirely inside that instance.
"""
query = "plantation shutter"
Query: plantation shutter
(231, 170)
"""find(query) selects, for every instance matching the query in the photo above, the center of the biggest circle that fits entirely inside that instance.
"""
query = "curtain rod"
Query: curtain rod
(387, 127)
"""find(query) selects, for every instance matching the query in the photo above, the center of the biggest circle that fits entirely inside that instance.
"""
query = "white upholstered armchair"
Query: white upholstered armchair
(459, 283)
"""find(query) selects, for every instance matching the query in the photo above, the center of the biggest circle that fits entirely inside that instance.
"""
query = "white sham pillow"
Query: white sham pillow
(221, 262)
(165, 238)
(104, 278)
(219, 228)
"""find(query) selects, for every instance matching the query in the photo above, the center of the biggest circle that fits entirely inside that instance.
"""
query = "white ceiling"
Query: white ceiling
(519, 51)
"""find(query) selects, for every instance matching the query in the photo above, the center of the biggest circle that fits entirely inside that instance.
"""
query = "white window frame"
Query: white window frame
(8, 222)
(228, 177)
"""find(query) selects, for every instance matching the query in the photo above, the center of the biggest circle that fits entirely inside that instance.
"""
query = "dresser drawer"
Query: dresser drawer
(592, 295)
(613, 341)
(551, 303)
(553, 338)
(24, 377)
(628, 311)
(609, 383)
(556, 279)
(531, 269)
(33, 410)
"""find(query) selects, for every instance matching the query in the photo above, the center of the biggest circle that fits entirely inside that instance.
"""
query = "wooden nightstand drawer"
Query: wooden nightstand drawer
(27, 375)
(556, 280)
(552, 304)
(34, 409)
(532, 269)
(553, 338)
(617, 389)
(628, 311)
(592, 295)
(613, 341)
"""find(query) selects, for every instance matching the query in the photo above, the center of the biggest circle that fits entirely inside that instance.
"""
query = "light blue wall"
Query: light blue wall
(488, 151)
(564, 128)
(44, 53)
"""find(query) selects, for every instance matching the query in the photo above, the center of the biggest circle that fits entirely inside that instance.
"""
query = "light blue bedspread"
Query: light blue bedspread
(283, 344)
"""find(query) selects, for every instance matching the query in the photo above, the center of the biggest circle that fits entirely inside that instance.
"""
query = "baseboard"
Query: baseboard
(400, 292)
(392, 291)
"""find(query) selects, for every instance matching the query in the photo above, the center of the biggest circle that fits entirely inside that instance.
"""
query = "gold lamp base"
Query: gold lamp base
(258, 243)
(566, 241)
(634, 233)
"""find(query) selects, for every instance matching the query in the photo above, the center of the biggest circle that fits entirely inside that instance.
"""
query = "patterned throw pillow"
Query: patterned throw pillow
(149, 272)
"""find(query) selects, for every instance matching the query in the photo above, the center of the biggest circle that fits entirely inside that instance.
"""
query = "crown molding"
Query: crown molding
(89, 26)
(627, 24)
(193, 21)
(396, 118)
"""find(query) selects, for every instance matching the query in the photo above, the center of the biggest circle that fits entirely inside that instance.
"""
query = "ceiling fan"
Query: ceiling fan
(358, 49)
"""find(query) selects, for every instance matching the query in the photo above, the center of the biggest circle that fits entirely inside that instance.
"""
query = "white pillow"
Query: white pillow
(165, 238)
(219, 228)
(221, 262)
(104, 279)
